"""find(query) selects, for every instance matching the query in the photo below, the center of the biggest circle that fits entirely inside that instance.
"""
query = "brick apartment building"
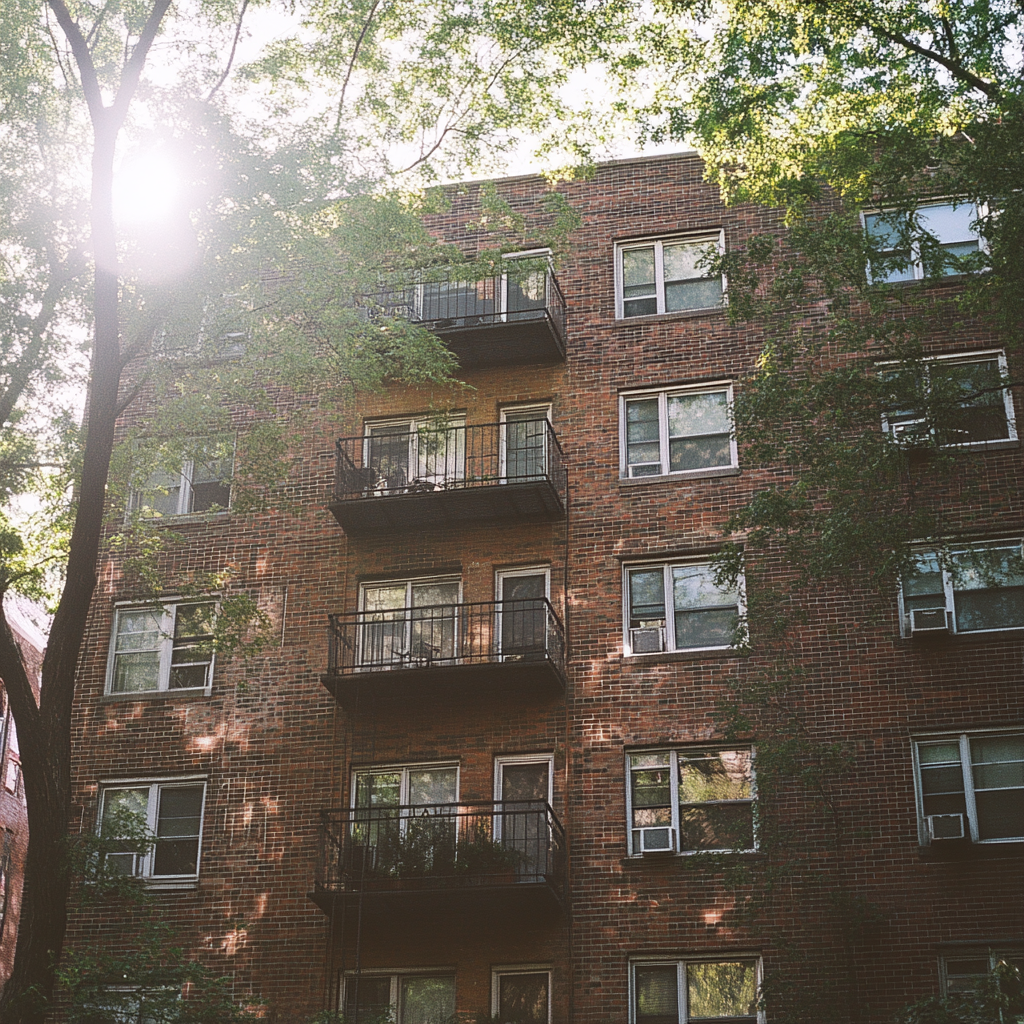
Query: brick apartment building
(473, 773)
(13, 814)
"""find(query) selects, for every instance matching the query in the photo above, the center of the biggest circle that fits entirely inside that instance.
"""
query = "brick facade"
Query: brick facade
(274, 747)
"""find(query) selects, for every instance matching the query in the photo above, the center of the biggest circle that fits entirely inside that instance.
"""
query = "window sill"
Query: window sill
(690, 857)
(679, 314)
(186, 518)
(943, 639)
(175, 885)
(962, 850)
(691, 474)
(668, 656)
(120, 698)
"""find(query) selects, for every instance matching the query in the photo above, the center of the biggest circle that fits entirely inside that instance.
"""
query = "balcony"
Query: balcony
(501, 857)
(399, 478)
(513, 317)
(484, 647)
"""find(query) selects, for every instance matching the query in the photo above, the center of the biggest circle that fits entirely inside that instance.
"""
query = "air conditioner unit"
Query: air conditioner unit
(657, 840)
(929, 620)
(647, 639)
(945, 826)
(910, 431)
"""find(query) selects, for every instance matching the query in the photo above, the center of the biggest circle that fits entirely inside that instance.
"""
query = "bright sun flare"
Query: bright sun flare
(145, 188)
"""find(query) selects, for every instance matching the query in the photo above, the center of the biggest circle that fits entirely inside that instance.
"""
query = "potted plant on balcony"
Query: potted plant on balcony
(482, 860)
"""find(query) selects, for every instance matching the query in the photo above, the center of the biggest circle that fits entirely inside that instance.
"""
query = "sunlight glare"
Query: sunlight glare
(145, 188)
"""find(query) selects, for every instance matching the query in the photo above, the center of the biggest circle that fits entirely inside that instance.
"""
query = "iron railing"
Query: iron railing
(449, 299)
(441, 846)
(446, 458)
(437, 636)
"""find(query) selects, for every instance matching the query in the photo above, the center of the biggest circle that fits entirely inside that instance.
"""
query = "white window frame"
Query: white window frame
(186, 493)
(948, 586)
(143, 866)
(669, 629)
(525, 254)
(915, 267)
(706, 238)
(168, 610)
(497, 973)
(993, 953)
(407, 660)
(681, 987)
(413, 426)
(395, 976)
(964, 740)
(542, 411)
(405, 769)
(673, 767)
(663, 395)
(897, 429)
(500, 576)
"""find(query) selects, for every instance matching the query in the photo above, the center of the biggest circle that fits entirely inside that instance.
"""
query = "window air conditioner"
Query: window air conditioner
(647, 639)
(929, 620)
(910, 431)
(657, 840)
(945, 826)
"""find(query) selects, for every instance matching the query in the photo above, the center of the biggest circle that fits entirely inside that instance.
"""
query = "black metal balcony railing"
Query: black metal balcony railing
(514, 315)
(423, 848)
(446, 636)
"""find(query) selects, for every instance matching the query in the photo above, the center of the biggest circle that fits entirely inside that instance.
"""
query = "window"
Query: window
(171, 811)
(522, 619)
(928, 243)
(964, 970)
(675, 992)
(524, 442)
(690, 801)
(705, 615)
(970, 787)
(957, 400)
(521, 995)
(402, 998)
(971, 589)
(666, 276)
(128, 1004)
(682, 431)
(196, 477)
(408, 623)
(169, 647)
(415, 454)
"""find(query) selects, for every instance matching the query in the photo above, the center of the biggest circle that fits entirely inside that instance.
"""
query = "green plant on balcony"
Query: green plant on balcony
(480, 855)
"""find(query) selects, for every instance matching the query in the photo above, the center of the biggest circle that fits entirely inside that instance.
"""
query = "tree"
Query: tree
(408, 87)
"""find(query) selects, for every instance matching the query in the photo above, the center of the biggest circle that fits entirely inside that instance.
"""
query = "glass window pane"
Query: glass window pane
(721, 989)
(887, 230)
(180, 811)
(135, 673)
(638, 271)
(698, 414)
(380, 789)
(119, 802)
(989, 609)
(139, 629)
(160, 495)
(426, 1000)
(925, 578)
(944, 779)
(651, 787)
(986, 567)
(694, 586)
(936, 753)
(432, 785)
(681, 259)
(699, 453)
(702, 293)
(706, 629)
(1000, 813)
(384, 598)
(523, 998)
(657, 997)
(719, 775)
(947, 222)
(371, 995)
(646, 596)
(716, 827)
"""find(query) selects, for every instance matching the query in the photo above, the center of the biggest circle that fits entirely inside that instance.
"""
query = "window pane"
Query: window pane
(523, 998)
(134, 673)
(924, 579)
(137, 650)
(886, 230)
(989, 609)
(432, 785)
(939, 753)
(698, 414)
(160, 495)
(652, 788)
(694, 586)
(948, 223)
(698, 294)
(191, 653)
(638, 271)
(646, 596)
(699, 453)
(964, 974)
(387, 454)
(706, 629)
(716, 827)
(120, 802)
(381, 789)
(426, 1000)
(977, 397)
(642, 435)
(657, 998)
(721, 775)
(1000, 814)
(371, 995)
(721, 990)
(177, 845)
(987, 567)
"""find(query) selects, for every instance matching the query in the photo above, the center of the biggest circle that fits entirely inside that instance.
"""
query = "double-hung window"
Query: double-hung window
(976, 588)
(970, 787)
(679, 431)
(690, 801)
(930, 242)
(415, 454)
(376, 997)
(680, 991)
(666, 276)
(521, 995)
(967, 969)
(679, 607)
(408, 623)
(196, 477)
(170, 812)
(957, 400)
(163, 647)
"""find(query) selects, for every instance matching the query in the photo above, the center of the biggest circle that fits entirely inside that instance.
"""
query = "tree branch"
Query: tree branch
(352, 64)
(133, 68)
(83, 58)
(231, 56)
